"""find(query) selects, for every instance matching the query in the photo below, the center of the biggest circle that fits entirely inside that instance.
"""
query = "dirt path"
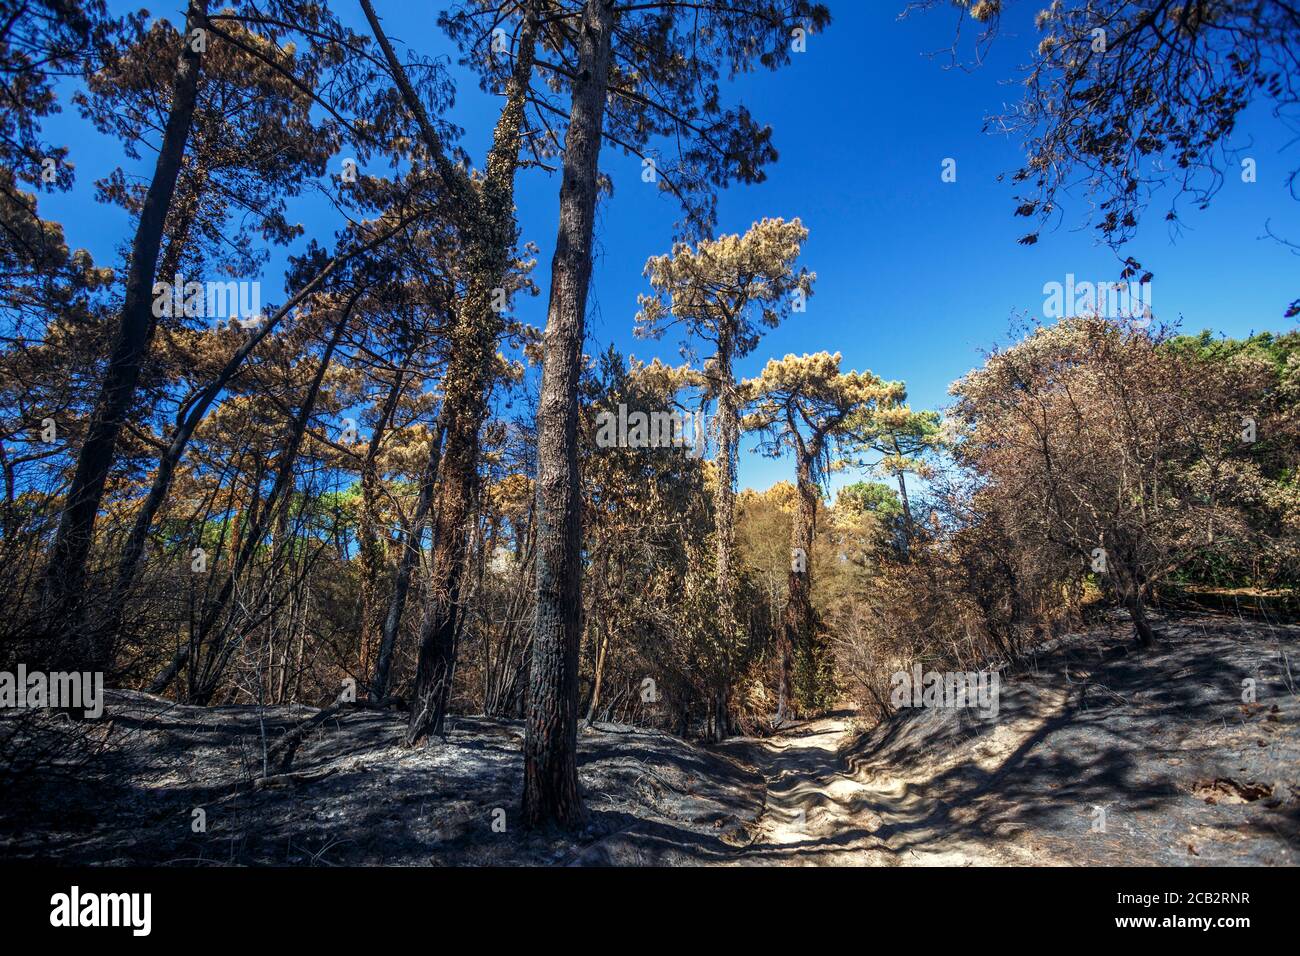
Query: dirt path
(815, 812)
(821, 810)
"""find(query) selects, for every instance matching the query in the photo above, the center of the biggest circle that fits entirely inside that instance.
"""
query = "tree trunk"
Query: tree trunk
(598, 622)
(551, 793)
(188, 420)
(370, 549)
(66, 573)
(467, 385)
(410, 556)
(438, 630)
(602, 647)
(724, 518)
(1145, 634)
(907, 506)
(1131, 595)
(797, 620)
(902, 493)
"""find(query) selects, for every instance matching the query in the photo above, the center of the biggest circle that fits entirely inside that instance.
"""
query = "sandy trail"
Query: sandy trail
(824, 810)
(815, 813)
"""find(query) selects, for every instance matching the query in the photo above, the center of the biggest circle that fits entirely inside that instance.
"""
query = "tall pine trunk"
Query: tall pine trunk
(370, 548)
(468, 383)
(551, 793)
(724, 517)
(797, 619)
(451, 515)
(907, 504)
(66, 574)
(406, 562)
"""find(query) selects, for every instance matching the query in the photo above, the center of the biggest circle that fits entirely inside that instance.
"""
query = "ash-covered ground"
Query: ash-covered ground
(1100, 754)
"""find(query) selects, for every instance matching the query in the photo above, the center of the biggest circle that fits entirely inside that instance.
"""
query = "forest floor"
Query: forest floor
(1156, 743)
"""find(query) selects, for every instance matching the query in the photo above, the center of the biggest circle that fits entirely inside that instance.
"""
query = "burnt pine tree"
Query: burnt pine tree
(550, 748)
(42, 281)
(248, 152)
(190, 194)
(65, 574)
(629, 84)
(448, 485)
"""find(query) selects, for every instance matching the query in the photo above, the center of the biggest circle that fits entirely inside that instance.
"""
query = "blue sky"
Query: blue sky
(915, 276)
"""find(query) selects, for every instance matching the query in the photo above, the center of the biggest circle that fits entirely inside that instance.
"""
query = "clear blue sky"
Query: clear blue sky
(915, 276)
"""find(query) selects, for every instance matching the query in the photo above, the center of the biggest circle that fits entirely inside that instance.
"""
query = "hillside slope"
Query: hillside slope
(1160, 740)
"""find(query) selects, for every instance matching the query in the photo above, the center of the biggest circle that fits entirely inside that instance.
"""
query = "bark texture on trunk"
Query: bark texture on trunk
(551, 793)
(797, 619)
(467, 384)
(66, 574)
(724, 517)
(406, 562)
(370, 548)
(439, 627)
